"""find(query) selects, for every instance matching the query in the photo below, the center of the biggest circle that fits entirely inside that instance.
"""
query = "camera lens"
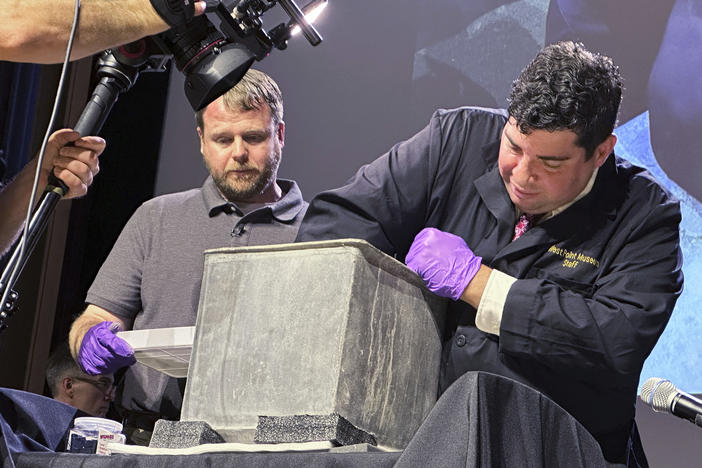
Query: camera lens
(190, 43)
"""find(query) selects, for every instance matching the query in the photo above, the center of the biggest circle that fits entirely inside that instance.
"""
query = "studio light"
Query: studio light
(311, 11)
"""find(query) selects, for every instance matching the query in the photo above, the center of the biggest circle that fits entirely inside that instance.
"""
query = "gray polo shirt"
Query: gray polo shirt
(153, 274)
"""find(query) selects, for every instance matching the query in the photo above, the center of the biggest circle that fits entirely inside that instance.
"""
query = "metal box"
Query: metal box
(318, 328)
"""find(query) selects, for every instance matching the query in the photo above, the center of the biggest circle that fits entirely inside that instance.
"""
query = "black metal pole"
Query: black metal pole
(115, 77)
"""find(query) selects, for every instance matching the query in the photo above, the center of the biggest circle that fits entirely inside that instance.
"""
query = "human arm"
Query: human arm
(591, 328)
(38, 30)
(387, 201)
(75, 165)
(449, 268)
(383, 203)
(114, 297)
(427, 180)
(94, 343)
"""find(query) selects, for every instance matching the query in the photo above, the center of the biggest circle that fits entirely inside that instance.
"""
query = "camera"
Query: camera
(214, 59)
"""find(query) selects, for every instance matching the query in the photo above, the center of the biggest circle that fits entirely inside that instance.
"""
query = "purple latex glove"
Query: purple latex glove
(444, 262)
(102, 351)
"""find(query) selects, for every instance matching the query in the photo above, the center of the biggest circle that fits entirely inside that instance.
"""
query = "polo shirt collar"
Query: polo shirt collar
(284, 210)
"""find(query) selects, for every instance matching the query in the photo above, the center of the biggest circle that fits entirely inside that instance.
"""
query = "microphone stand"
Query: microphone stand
(115, 78)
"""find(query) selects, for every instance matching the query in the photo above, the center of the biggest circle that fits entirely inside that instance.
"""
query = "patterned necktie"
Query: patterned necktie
(522, 226)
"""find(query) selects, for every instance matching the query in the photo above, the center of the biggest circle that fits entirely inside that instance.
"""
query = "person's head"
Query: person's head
(91, 394)
(241, 139)
(562, 111)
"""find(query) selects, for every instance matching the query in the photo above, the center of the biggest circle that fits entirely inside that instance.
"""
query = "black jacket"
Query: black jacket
(596, 283)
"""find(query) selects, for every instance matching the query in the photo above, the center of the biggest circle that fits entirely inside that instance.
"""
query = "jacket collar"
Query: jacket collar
(577, 219)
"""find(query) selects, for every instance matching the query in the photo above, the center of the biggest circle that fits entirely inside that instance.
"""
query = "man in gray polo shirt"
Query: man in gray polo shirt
(152, 277)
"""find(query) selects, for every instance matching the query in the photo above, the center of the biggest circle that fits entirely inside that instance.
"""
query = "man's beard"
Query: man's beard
(244, 189)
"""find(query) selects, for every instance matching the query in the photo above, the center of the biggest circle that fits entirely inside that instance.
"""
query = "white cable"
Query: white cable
(40, 158)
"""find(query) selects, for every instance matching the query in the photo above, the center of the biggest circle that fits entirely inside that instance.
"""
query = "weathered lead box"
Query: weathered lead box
(318, 328)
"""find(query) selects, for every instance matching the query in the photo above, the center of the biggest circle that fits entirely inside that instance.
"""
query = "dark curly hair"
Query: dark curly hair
(567, 87)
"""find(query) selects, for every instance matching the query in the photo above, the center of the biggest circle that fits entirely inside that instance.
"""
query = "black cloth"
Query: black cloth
(485, 420)
(32, 423)
(248, 460)
(596, 284)
(482, 420)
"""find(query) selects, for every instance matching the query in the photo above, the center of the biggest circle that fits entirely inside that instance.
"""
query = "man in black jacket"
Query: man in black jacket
(563, 260)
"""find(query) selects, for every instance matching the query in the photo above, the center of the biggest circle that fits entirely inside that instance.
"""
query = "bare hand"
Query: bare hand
(75, 165)
(200, 7)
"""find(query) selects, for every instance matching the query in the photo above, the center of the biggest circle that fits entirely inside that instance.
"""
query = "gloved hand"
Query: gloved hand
(102, 351)
(444, 262)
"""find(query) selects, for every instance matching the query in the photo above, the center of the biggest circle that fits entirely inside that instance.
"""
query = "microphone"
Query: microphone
(663, 396)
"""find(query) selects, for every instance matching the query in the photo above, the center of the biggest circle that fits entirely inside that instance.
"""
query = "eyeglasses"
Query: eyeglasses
(104, 385)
